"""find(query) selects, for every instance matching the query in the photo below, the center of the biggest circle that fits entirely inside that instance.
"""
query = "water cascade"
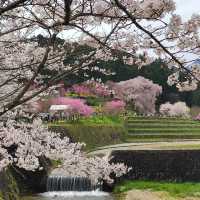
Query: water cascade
(63, 183)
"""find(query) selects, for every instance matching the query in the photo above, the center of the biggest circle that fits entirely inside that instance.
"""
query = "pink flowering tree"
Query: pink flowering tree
(140, 92)
(114, 107)
(77, 106)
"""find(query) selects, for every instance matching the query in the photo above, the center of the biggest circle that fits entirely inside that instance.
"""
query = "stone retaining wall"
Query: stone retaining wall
(171, 165)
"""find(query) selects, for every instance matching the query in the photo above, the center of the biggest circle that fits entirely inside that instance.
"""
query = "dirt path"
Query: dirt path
(149, 195)
(191, 144)
(142, 195)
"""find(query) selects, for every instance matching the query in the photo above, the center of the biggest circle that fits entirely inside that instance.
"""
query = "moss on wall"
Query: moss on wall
(93, 135)
(1, 196)
(8, 186)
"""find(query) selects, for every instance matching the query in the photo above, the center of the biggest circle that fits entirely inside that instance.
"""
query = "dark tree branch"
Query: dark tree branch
(133, 19)
(67, 8)
(11, 6)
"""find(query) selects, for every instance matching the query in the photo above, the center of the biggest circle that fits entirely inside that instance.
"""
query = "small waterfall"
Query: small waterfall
(63, 183)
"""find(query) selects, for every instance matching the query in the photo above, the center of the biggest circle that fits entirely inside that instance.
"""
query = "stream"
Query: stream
(94, 195)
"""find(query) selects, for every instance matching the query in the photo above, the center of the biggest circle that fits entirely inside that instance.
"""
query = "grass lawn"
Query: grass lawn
(150, 128)
(98, 131)
(174, 189)
(94, 131)
(94, 120)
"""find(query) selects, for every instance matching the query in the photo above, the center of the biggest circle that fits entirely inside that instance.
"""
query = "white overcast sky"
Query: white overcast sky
(183, 7)
(186, 7)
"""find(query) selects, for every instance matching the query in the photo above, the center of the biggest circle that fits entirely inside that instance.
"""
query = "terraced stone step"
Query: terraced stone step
(156, 127)
(163, 121)
(165, 131)
(164, 136)
(159, 118)
(164, 125)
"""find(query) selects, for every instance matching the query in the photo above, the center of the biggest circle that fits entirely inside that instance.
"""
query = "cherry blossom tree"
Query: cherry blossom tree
(140, 92)
(23, 145)
(178, 109)
(133, 26)
(96, 168)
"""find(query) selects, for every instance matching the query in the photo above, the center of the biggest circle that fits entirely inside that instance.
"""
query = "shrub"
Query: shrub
(114, 107)
(178, 109)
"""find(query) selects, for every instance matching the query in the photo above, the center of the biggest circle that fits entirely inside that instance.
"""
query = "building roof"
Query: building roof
(59, 107)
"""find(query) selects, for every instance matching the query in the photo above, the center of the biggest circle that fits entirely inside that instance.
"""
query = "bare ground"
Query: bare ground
(150, 195)
(191, 144)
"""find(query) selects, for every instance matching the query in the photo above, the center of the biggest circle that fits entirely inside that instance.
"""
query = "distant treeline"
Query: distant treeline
(157, 72)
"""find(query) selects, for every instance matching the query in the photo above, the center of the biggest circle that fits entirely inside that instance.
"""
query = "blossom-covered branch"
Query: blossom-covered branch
(132, 26)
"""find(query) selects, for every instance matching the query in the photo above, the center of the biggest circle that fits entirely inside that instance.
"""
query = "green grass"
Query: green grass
(98, 131)
(194, 111)
(95, 120)
(93, 135)
(155, 127)
(168, 131)
(106, 120)
(174, 189)
(183, 147)
(158, 137)
(164, 125)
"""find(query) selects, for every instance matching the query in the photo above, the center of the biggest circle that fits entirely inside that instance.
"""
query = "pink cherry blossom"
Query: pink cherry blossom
(77, 105)
(140, 92)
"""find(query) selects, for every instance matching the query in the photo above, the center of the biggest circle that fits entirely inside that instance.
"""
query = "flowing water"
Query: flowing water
(92, 195)
(71, 188)
(62, 183)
